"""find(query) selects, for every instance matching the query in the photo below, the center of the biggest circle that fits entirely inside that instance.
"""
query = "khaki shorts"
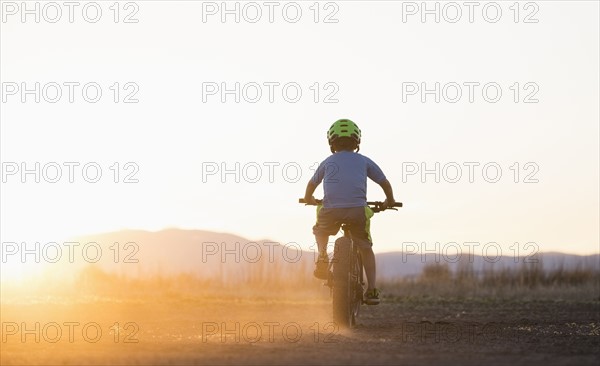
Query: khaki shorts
(329, 221)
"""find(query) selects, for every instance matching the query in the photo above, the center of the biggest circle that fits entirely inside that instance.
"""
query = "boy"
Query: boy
(344, 176)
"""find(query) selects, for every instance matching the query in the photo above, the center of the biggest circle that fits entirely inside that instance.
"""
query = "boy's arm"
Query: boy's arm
(389, 193)
(308, 195)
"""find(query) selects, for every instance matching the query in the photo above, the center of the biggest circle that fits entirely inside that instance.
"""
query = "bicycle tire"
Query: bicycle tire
(343, 312)
(358, 283)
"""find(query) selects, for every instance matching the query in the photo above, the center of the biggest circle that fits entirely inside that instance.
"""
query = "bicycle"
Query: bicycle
(346, 273)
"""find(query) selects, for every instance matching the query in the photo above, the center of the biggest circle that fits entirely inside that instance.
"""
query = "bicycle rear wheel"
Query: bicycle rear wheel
(344, 307)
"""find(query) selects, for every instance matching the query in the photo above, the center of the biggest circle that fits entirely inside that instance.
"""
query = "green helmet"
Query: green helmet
(343, 128)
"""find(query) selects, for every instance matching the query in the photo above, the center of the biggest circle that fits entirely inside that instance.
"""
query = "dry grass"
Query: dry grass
(530, 281)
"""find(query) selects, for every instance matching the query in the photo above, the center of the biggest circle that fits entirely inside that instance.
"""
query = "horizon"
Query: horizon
(266, 238)
(144, 254)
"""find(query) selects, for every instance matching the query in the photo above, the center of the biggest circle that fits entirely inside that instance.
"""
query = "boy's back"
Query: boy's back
(344, 176)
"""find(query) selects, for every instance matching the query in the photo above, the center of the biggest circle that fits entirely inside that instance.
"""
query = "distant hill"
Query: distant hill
(203, 253)
(232, 258)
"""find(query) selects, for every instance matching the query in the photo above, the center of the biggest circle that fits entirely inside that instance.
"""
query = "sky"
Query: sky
(517, 88)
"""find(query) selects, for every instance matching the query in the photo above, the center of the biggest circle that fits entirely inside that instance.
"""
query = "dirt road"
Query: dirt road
(262, 331)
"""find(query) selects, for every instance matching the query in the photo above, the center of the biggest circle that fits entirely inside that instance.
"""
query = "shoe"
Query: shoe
(372, 297)
(322, 270)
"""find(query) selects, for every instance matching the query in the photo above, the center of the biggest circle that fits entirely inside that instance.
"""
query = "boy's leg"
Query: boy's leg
(322, 264)
(327, 224)
(322, 242)
(324, 227)
(362, 237)
(371, 296)
(370, 268)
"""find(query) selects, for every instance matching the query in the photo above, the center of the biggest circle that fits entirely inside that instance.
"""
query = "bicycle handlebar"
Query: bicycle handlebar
(376, 206)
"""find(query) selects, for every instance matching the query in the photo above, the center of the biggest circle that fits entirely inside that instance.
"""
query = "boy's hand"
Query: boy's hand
(389, 194)
(388, 203)
(311, 201)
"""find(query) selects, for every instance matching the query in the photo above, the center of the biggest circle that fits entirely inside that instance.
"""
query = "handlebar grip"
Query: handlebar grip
(302, 200)
(379, 203)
